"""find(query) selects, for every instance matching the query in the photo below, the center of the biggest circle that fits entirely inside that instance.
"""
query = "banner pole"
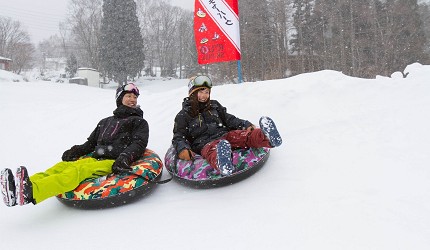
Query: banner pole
(239, 72)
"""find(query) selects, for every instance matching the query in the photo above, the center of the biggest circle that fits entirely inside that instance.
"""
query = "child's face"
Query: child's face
(203, 95)
(129, 100)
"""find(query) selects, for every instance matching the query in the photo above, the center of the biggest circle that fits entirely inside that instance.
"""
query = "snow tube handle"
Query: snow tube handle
(165, 180)
(126, 171)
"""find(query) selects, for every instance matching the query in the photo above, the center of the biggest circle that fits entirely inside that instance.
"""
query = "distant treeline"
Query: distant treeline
(279, 38)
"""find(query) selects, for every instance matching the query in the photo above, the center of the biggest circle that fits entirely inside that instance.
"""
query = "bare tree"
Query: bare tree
(15, 44)
(281, 22)
(361, 37)
(425, 18)
(160, 24)
(188, 65)
(84, 21)
(52, 47)
(22, 58)
(257, 39)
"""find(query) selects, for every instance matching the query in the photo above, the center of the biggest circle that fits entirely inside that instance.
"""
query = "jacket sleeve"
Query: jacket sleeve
(139, 140)
(231, 121)
(180, 133)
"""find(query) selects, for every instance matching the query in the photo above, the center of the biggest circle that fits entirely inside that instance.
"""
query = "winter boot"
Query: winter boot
(8, 187)
(224, 160)
(268, 127)
(24, 189)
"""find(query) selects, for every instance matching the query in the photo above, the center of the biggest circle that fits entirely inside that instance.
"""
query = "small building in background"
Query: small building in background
(92, 76)
(57, 64)
(5, 63)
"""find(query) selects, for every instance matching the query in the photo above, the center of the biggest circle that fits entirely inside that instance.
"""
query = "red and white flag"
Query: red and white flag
(216, 30)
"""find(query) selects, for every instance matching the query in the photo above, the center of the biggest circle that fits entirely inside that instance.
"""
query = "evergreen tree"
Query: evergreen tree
(72, 65)
(121, 43)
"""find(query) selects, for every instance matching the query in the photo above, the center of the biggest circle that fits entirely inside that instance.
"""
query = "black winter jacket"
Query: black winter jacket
(195, 132)
(126, 132)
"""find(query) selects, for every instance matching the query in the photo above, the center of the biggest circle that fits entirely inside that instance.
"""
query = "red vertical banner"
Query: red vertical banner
(216, 30)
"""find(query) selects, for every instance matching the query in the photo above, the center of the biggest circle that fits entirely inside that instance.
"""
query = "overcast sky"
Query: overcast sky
(41, 18)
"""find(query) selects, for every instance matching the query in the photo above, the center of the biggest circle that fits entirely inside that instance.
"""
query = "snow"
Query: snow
(352, 172)
(9, 76)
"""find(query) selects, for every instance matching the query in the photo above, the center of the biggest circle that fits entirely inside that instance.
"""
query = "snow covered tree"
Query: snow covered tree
(72, 65)
(121, 43)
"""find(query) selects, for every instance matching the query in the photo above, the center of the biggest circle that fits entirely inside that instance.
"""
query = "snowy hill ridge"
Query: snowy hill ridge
(353, 172)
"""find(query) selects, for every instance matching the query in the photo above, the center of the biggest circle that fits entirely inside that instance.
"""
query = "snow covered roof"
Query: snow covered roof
(5, 59)
(87, 69)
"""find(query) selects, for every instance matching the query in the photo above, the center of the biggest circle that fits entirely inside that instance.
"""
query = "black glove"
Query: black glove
(72, 154)
(122, 164)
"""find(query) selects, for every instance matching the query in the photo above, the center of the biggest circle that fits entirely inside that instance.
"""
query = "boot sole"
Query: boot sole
(9, 197)
(269, 129)
(22, 178)
(224, 160)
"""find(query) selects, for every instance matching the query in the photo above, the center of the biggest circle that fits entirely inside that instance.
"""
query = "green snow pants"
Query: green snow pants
(66, 176)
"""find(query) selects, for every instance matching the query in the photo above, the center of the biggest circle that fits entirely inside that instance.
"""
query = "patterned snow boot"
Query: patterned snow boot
(224, 160)
(8, 187)
(268, 127)
(24, 189)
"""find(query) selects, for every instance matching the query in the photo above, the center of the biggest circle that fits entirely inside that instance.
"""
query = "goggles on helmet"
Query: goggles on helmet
(200, 81)
(129, 87)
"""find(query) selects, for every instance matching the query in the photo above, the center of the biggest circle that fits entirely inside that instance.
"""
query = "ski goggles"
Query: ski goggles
(200, 81)
(129, 87)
